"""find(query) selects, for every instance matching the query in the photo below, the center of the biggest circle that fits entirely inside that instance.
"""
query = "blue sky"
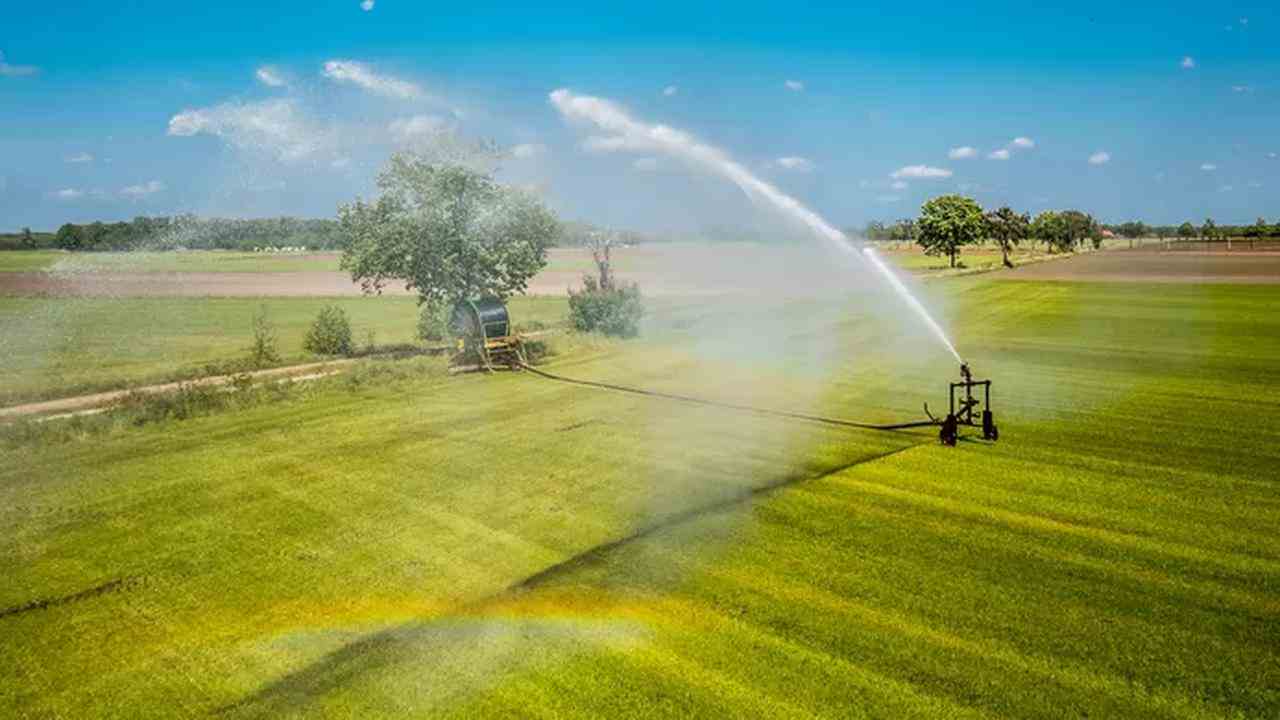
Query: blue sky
(1155, 111)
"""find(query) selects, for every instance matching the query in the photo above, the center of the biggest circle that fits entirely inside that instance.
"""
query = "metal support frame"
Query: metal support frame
(962, 413)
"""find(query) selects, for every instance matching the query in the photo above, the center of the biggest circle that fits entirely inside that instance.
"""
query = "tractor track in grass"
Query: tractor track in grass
(111, 586)
(601, 551)
(339, 666)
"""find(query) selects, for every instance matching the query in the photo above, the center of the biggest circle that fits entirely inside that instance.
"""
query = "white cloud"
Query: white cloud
(1101, 157)
(963, 152)
(798, 164)
(899, 185)
(1023, 143)
(78, 158)
(1208, 167)
(363, 76)
(7, 70)
(411, 129)
(1272, 155)
(68, 194)
(528, 150)
(272, 126)
(794, 85)
(1244, 21)
(340, 162)
(1188, 62)
(1001, 154)
(1225, 188)
(615, 143)
(670, 90)
(887, 199)
(270, 76)
(920, 172)
(366, 5)
(646, 164)
(1241, 88)
(137, 192)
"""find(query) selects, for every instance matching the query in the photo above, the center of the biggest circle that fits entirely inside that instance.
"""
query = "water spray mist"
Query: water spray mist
(626, 133)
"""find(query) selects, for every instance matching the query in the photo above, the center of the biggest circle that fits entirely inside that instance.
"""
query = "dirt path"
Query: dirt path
(85, 404)
(98, 402)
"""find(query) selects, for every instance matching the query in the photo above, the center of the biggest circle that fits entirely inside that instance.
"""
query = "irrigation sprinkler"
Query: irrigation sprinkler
(963, 406)
(485, 341)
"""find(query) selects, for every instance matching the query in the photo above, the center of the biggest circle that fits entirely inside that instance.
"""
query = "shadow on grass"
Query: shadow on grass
(440, 643)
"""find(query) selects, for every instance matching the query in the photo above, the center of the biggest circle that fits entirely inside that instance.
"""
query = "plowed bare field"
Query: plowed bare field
(1181, 266)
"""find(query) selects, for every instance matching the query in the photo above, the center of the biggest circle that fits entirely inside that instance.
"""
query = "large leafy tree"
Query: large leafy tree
(1079, 227)
(1048, 228)
(1186, 230)
(1133, 229)
(948, 223)
(448, 231)
(1008, 229)
(69, 237)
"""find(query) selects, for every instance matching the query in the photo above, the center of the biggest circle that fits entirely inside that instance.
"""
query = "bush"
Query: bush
(263, 351)
(612, 311)
(433, 323)
(330, 334)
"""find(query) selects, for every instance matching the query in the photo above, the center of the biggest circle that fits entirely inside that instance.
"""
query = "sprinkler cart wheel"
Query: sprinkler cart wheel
(950, 432)
(989, 429)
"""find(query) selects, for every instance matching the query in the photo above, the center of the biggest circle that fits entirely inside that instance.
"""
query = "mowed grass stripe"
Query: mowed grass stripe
(318, 557)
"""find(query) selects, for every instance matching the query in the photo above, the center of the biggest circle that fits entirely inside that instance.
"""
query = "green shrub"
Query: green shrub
(433, 323)
(263, 351)
(612, 311)
(330, 334)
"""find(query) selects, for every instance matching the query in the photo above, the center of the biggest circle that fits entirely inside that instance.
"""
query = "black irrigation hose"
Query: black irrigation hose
(730, 406)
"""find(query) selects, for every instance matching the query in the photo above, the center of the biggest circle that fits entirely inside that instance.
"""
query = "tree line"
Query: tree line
(1207, 230)
(26, 239)
(196, 233)
(950, 222)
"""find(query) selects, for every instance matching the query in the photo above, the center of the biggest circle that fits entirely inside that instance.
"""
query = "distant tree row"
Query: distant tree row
(1208, 230)
(195, 233)
(574, 233)
(950, 222)
(26, 239)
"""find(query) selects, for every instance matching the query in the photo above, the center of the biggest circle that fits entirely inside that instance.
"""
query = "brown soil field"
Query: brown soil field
(287, 284)
(660, 270)
(1179, 266)
(198, 284)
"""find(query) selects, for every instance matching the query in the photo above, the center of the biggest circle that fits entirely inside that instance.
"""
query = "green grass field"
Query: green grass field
(509, 546)
(59, 347)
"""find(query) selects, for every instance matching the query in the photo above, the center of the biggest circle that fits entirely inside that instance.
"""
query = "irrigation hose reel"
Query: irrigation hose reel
(485, 340)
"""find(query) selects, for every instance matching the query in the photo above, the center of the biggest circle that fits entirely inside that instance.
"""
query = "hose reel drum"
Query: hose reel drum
(485, 340)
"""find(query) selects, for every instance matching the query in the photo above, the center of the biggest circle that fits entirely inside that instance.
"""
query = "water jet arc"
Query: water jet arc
(629, 134)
